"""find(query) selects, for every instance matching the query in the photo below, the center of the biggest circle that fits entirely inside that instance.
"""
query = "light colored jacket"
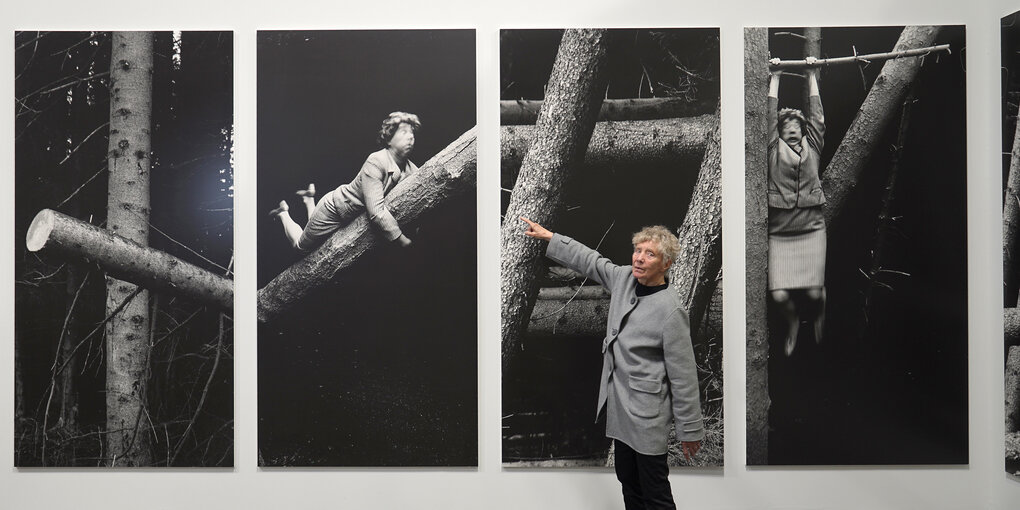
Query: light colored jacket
(648, 370)
(366, 192)
(793, 177)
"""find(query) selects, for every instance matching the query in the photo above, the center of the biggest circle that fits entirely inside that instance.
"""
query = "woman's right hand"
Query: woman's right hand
(537, 231)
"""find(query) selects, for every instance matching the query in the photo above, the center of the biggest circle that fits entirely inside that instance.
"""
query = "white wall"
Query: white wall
(982, 484)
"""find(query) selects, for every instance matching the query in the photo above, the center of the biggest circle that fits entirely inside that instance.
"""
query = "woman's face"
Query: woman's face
(791, 132)
(403, 140)
(647, 264)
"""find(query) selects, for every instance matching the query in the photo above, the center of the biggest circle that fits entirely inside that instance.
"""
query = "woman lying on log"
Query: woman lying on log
(381, 172)
(796, 224)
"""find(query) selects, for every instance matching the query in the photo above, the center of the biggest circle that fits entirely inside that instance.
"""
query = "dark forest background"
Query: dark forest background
(379, 368)
(888, 383)
(62, 106)
(549, 395)
(1010, 82)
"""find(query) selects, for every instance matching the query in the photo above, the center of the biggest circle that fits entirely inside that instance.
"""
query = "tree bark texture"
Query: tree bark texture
(1011, 224)
(450, 173)
(128, 161)
(756, 211)
(696, 267)
(879, 107)
(562, 133)
(558, 312)
(521, 111)
(616, 146)
(1011, 326)
(1013, 389)
(1013, 446)
(69, 339)
(128, 260)
(812, 48)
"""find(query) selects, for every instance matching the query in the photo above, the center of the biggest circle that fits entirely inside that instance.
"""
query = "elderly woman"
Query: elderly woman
(381, 172)
(796, 224)
(648, 370)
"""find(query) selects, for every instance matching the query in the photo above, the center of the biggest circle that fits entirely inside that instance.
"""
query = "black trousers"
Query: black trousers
(645, 479)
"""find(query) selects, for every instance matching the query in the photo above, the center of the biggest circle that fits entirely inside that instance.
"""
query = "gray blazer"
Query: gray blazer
(648, 370)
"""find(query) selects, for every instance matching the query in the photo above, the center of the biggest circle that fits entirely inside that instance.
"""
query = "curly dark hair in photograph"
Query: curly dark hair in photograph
(391, 123)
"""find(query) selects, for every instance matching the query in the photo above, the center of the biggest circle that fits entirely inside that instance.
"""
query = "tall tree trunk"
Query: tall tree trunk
(562, 133)
(697, 265)
(617, 146)
(1013, 389)
(448, 174)
(68, 390)
(127, 333)
(812, 48)
(756, 211)
(1011, 326)
(879, 107)
(1011, 223)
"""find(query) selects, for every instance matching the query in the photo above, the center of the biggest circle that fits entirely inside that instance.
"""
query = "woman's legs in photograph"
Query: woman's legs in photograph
(291, 229)
(814, 305)
(308, 197)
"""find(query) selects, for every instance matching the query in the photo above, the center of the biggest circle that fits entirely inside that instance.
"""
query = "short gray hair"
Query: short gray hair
(669, 245)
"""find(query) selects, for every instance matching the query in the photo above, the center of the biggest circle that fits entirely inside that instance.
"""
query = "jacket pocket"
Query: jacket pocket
(645, 400)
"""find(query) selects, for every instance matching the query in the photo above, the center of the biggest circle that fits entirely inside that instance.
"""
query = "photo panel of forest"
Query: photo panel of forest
(367, 335)
(124, 249)
(604, 132)
(856, 283)
(1010, 226)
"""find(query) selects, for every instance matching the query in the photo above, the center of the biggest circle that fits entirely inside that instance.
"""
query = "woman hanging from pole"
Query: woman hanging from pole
(796, 225)
(381, 172)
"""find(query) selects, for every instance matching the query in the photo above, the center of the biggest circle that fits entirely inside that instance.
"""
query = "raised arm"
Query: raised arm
(773, 106)
(815, 129)
(575, 255)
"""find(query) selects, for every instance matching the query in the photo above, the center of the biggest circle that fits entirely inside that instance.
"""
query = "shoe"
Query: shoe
(280, 210)
(309, 192)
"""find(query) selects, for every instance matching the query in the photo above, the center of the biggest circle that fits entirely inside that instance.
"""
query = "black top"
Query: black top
(644, 290)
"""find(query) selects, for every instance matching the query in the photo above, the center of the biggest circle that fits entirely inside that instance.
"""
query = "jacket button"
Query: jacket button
(633, 300)
(615, 331)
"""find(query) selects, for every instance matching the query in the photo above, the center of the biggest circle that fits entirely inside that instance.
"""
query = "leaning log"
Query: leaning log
(450, 173)
(693, 273)
(1013, 389)
(523, 111)
(618, 145)
(563, 130)
(1011, 223)
(879, 107)
(756, 220)
(127, 260)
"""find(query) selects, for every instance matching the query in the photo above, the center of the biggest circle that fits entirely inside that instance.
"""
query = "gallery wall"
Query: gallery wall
(980, 484)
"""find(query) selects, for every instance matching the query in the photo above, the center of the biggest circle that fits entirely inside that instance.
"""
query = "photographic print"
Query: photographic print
(610, 151)
(367, 338)
(124, 249)
(856, 245)
(1010, 226)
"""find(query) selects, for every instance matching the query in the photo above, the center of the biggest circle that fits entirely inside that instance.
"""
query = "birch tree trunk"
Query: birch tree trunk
(1011, 223)
(617, 146)
(127, 333)
(879, 107)
(756, 211)
(562, 133)
(694, 271)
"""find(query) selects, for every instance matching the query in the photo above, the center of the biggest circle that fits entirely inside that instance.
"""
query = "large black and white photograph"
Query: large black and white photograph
(1010, 227)
(367, 308)
(856, 245)
(611, 251)
(124, 249)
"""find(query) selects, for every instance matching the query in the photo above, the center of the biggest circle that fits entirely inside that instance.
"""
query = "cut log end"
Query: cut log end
(39, 231)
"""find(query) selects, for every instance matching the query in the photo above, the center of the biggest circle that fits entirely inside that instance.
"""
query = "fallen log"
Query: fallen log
(127, 260)
(524, 111)
(1011, 326)
(450, 173)
(616, 145)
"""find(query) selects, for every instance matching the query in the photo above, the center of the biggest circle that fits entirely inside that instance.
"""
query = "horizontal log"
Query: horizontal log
(450, 173)
(524, 111)
(573, 292)
(1013, 389)
(617, 145)
(127, 260)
